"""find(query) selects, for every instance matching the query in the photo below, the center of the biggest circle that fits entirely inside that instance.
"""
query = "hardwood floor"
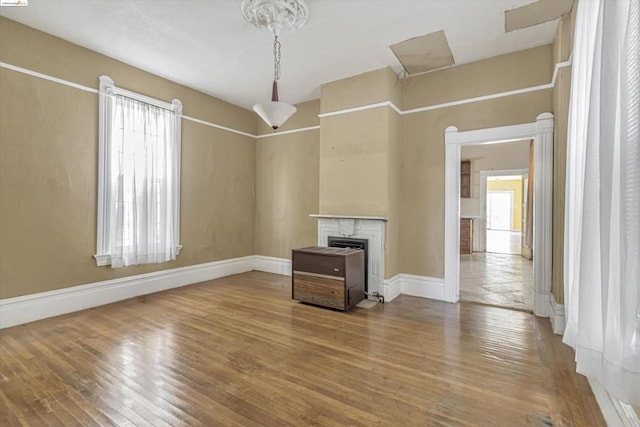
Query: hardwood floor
(238, 351)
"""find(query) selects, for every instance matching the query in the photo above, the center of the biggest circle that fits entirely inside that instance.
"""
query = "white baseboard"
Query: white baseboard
(423, 286)
(556, 316)
(614, 412)
(417, 286)
(28, 308)
(392, 288)
(272, 265)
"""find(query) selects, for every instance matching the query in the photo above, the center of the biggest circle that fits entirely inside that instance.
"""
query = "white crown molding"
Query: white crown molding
(28, 308)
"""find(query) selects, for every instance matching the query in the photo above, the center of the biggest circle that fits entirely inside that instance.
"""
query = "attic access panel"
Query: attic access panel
(424, 53)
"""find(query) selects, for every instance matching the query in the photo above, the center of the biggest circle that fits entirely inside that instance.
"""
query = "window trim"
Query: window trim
(105, 95)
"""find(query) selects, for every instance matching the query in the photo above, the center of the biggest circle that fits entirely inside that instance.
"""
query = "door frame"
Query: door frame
(541, 131)
(480, 237)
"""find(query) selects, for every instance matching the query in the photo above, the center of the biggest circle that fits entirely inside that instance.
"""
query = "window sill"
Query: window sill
(105, 259)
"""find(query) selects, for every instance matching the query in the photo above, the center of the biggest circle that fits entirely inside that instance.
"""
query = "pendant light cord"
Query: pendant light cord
(276, 59)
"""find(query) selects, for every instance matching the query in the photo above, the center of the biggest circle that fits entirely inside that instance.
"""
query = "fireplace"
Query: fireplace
(359, 228)
(349, 242)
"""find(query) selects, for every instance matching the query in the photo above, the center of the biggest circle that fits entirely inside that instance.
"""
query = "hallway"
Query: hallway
(497, 279)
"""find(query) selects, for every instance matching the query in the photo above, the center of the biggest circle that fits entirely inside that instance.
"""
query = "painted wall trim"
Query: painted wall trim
(614, 412)
(272, 265)
(321, 115)
(417, 286)
(28, 308)
(556, 315)
(423, 286)
(360, 108)
(92, 90)
(47, 77)
(392, 288)
(541, 131)
(286, 132)
(217, 126)
(556, 68)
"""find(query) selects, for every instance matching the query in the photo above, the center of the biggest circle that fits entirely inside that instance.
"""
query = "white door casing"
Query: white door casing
(541, 131)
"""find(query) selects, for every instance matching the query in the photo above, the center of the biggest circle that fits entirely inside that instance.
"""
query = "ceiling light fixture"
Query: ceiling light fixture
(276, 16)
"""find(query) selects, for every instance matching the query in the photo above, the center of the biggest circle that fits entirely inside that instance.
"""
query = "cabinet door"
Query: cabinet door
(325, 291)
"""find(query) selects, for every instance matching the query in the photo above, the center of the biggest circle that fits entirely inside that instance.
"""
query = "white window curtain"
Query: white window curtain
(143, 153)
(602, 208)
(138, 178)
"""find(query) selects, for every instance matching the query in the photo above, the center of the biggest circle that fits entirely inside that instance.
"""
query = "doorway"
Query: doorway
(541, 131)
(495, 273)
(505, 212)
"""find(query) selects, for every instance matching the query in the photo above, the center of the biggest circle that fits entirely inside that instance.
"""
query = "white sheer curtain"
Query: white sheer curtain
(602, 211)
(143, 153)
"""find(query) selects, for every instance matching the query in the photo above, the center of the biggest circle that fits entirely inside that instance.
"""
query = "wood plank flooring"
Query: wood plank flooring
(239, 351)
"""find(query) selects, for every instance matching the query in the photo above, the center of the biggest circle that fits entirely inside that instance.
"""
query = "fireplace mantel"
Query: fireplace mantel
(372, 228)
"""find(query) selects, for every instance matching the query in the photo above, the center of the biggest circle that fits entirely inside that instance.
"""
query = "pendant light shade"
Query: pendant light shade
(274, 113)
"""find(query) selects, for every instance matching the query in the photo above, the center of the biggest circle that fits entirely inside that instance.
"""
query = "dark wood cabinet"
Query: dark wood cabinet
(329, 277)
(465, 178)
(466, 235)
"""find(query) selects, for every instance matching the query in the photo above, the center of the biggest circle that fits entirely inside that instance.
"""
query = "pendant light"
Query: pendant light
(275, 113)
(275, 15)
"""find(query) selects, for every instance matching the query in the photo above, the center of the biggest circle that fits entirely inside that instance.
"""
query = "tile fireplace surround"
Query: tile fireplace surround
(359, 227)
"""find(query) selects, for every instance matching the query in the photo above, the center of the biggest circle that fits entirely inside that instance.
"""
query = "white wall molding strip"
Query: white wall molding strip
(360, 108)
(479, 99)
(556, 68)
(321, 115)
(217, 126)
(272, 265)
(28, 308)
(286, 132)
(614, 412)
(47, 77)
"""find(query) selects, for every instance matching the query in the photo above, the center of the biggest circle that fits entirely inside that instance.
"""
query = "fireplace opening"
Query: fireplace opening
(348, 242)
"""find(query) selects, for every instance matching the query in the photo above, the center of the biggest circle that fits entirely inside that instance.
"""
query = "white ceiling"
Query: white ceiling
(207, 45)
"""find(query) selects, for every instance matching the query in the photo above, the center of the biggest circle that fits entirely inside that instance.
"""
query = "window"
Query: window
(138, 178)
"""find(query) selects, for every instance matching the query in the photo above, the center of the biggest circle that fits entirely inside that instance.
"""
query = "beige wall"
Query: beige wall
(503, 73)
(241, 196)
(510, 155)
(362, 89)
(48, 167)
(562, 48)
(287, 186)
(422, 234)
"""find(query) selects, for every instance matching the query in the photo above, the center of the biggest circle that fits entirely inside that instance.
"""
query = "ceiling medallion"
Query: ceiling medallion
(276, 15)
